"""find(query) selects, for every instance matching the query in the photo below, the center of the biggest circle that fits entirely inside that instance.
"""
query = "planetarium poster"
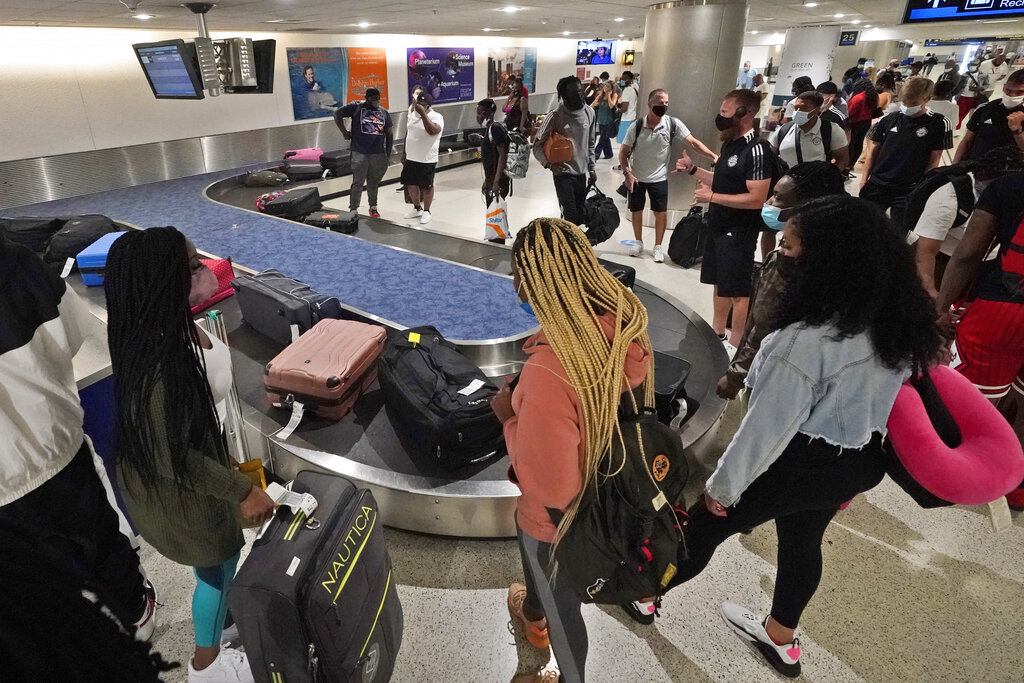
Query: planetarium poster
(444, 73)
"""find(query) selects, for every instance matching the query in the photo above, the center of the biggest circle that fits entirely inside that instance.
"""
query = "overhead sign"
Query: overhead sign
(933, 42)
(848, 38)
(960, 10)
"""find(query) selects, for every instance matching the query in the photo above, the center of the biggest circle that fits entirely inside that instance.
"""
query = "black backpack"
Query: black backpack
(31, 232)
(686, 246)
(77, 233)
(421, 376)
(826, 143)
(601, 216)
(627, 539)
(932, 181)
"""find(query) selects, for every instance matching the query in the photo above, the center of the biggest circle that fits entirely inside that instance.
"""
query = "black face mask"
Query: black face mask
(724, 123)
(659, 110)
(573, 100)
(789, 267)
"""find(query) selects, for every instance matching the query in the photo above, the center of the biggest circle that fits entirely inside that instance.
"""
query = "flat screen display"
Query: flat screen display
(169, 70)
(961, 10)
(595, 52)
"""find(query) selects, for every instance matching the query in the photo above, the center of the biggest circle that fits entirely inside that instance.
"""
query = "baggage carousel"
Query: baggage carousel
(215, 210)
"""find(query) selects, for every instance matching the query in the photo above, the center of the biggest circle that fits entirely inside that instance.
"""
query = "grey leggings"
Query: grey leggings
(368, 168)
(566, 628)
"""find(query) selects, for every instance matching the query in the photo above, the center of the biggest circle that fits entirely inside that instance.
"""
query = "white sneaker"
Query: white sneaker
(636, 248)
(749, 626)
(659, 254)
(425, 218)
(231, 666)
(146, 624)
(414, 213)
(229, 637)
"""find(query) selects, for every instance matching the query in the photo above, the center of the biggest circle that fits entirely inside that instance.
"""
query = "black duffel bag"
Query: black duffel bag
(438, 401)
(600, 215)
(28, 231)
(686, 246)
(77, 233)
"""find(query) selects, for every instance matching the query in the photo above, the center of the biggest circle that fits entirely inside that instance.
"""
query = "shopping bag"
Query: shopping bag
(497, 218)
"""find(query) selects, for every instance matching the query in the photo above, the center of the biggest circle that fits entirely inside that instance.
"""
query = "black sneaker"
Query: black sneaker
(641, 612)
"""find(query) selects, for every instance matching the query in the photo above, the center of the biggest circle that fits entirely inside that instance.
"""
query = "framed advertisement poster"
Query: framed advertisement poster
(444, 73)
(322, 79)
(503, 62)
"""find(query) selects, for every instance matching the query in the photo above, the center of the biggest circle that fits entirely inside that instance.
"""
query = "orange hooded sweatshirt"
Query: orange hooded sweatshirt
(546, 438)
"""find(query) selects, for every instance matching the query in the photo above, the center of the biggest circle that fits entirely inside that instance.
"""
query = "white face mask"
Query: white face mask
(910, 111)
(1012, 102)
(801, 117)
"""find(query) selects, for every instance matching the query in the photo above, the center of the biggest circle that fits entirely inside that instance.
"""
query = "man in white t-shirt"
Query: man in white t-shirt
(628, 103)
(805, 139)
(419, 159)
(997, 69)
(646, 157)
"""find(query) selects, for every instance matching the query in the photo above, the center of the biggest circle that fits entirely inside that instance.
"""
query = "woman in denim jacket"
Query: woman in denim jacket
(852, 321)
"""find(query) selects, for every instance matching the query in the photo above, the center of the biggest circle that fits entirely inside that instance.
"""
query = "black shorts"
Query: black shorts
(419, 174)
(658, 192)
(729, 261)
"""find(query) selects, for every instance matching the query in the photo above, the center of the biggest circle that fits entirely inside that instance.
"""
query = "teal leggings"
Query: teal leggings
(210, 600)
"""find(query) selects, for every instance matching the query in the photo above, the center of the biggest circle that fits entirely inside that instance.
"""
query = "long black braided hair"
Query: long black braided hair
(154, 346)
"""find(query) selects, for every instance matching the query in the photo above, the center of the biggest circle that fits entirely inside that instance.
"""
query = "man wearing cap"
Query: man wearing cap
(372, 138)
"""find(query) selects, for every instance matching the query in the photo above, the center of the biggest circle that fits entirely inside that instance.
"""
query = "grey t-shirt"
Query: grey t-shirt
(652, 149)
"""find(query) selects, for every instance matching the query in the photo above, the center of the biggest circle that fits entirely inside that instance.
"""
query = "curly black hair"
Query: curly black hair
(855, 273)
(813, 179)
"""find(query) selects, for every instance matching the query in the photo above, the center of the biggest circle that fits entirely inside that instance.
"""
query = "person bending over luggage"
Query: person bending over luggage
(560, 418)
(172, 462)
(851, 321)
(802, 183)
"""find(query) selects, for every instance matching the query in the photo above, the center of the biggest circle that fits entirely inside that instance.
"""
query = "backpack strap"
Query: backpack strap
(964, 188)
(783, 132)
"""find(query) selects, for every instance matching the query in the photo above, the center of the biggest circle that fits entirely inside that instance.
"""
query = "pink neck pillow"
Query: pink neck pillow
(974, 461)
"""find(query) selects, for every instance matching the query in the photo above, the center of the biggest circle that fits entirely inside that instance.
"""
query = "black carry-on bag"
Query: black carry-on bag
(315, 600)
(294, 204)
(686, 246)
(624, 274)
(272, 304)
(670, 374)
(338, 162)
(438, 401)
(346, 222)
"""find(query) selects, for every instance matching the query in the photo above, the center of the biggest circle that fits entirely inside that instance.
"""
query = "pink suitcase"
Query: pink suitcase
(327, 368)
(306, 154)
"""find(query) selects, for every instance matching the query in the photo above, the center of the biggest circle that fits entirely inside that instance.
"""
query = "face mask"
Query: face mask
(659, 110)
(724, 123)
(746, 69)
(528, 308)
(910, 111)
(770, 216)
(573, 101)
(204, 286)
(1012, 102)
(622, 84)
(788, 266)
(801, 117)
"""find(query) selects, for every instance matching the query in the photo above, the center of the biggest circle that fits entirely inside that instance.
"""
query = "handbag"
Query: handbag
(496, 223)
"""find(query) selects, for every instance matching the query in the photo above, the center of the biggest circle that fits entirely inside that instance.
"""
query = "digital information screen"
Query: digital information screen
(166, 70)
(960, 10)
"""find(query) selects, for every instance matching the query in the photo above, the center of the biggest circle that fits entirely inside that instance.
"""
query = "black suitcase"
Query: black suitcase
(77, 233)
(33, 233)
(421, 375)
(338, 162)
(315, 600)
(670, 375)
(295, 204)
(345, 222)
(624, 274)
(686, 246)
(271, 303)
(302, 169)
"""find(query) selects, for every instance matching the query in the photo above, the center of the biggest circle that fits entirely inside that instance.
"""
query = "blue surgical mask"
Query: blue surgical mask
(910, 111)
(528, 308)
(770, 216)
(622, 84)
(800, 118)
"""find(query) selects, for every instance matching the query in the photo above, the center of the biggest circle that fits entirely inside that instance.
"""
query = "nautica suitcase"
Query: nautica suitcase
(273, 303)
(302, 169)
(92, 261)
(315, 600)
(294, 204)
(338, 162)
(327, 368)
(345, 222)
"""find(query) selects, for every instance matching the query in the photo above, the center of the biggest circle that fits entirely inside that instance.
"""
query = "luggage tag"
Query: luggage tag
(296, 501)
(471, 388)
(298, 409)
(68, 265)
(414, 337)
(999, 514)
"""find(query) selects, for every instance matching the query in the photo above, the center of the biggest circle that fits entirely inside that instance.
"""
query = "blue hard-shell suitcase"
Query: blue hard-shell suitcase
(92, 260)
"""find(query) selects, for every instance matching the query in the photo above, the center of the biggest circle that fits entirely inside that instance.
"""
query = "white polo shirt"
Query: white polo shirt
(652, 152)
(812, 147)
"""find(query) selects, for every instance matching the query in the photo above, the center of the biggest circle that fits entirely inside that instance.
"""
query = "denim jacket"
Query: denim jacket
(804, 380)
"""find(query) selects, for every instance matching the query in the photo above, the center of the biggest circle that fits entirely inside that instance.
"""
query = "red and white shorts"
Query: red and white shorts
(989, 347)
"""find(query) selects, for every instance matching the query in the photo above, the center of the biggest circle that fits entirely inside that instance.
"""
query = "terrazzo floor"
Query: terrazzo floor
(907, 594)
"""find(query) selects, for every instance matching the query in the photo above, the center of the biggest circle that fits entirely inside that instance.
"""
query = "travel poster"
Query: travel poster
(319, 80)
(503, 62)
(444, 73)
(367, 68)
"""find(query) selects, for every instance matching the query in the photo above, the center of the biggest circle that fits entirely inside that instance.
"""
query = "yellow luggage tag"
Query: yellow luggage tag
(414, 337)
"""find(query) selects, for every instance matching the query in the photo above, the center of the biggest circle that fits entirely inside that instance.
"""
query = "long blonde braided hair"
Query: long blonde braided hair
(569, 292)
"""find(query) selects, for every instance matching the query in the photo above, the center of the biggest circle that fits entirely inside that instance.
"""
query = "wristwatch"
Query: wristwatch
(693, 170)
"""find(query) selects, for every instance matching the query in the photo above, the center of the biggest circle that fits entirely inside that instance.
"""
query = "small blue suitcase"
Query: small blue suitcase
(93, 259)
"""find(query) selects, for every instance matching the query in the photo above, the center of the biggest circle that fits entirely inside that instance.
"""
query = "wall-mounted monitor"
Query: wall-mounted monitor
(595, 52)
(961, 10)
(170, 68)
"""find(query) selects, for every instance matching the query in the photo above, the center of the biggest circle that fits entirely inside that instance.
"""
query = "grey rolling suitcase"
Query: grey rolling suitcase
(272, 303)
(315, 600)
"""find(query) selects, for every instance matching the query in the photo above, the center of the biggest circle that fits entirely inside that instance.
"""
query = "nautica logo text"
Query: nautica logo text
(349, 552)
